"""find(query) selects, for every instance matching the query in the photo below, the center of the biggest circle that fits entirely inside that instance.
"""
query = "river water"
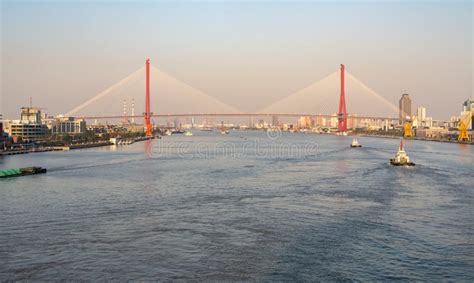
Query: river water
(244, 206)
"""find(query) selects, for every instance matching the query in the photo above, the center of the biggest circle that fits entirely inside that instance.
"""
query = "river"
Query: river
(245, 206)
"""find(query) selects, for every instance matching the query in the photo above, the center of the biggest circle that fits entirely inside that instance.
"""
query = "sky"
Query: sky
(245, 54)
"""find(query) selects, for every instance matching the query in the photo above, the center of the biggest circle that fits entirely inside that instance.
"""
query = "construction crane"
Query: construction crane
(464, 122)
(407, 133)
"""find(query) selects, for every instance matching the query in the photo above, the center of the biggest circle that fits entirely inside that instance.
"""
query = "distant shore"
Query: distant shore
(418, 138)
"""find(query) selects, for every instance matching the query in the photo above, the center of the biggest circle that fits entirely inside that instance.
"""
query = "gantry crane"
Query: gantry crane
(464, 122)
(407, 133)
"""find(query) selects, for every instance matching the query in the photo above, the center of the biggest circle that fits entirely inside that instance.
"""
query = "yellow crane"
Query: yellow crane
(464, 122)
(407, 133)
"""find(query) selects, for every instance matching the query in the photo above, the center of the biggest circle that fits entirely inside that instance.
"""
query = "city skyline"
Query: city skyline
(242, 54)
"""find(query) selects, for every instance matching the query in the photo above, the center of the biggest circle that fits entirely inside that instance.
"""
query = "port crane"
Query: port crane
(407, 133)
(464, 122)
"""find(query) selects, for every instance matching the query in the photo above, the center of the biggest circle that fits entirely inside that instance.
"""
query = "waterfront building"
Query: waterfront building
(262, 124)
(432, 133)
(97, 129)
(25, 131)
(30, 126)
(135, 128)
(67, 125)
(404, 108)
(304, 122)
(333, 121)
(428, 122)
(319, 121)
(352, 121)
(421, 114)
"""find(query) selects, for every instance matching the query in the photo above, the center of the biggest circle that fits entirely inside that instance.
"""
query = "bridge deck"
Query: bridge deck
(233, 115)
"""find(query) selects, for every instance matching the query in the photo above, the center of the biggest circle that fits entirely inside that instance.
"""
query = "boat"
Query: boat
(188, 133)
(167, 133)
(177, 132)
(16, 172)
(401, 158)
(224, 132)
(355, 143)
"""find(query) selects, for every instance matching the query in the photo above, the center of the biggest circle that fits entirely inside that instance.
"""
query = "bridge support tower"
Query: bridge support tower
(148, 126)
(342, 114)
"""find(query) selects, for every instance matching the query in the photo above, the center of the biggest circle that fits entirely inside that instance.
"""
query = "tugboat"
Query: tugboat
(17, 172)
(355, 143)
(401, 158)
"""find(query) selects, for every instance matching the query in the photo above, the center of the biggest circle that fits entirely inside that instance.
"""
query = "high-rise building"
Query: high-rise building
(467, 105)
(467, 108)
(421, 114)
(404, 108)
(30, 115)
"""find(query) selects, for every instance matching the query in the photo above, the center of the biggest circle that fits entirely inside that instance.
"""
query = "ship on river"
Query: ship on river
(17, 172)
(401, 158)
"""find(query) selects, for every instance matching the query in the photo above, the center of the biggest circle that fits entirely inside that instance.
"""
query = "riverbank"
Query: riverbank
(64, 148)
(418, 138)
(54, 148)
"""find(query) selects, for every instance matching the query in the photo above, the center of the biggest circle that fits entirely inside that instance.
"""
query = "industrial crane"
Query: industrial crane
(407, 133)
(464, 122)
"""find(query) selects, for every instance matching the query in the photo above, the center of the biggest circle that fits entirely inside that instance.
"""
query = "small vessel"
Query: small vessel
(401, 158)
(355, 143)
(223, 130)
(167, 133)
(177, 132)
(188, 133)
(16, 172)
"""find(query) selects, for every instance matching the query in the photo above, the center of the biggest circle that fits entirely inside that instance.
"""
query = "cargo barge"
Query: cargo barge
(17, 172)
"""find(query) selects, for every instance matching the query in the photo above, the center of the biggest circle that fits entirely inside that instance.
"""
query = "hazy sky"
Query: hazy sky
(246, 54)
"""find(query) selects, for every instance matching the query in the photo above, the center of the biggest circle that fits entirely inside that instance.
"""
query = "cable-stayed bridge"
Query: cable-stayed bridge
(338, 95)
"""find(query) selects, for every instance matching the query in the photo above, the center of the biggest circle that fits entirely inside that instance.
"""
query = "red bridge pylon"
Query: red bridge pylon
(342, 115)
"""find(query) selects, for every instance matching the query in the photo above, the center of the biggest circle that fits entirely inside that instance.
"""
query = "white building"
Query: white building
(421, 114)
(67, 125)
